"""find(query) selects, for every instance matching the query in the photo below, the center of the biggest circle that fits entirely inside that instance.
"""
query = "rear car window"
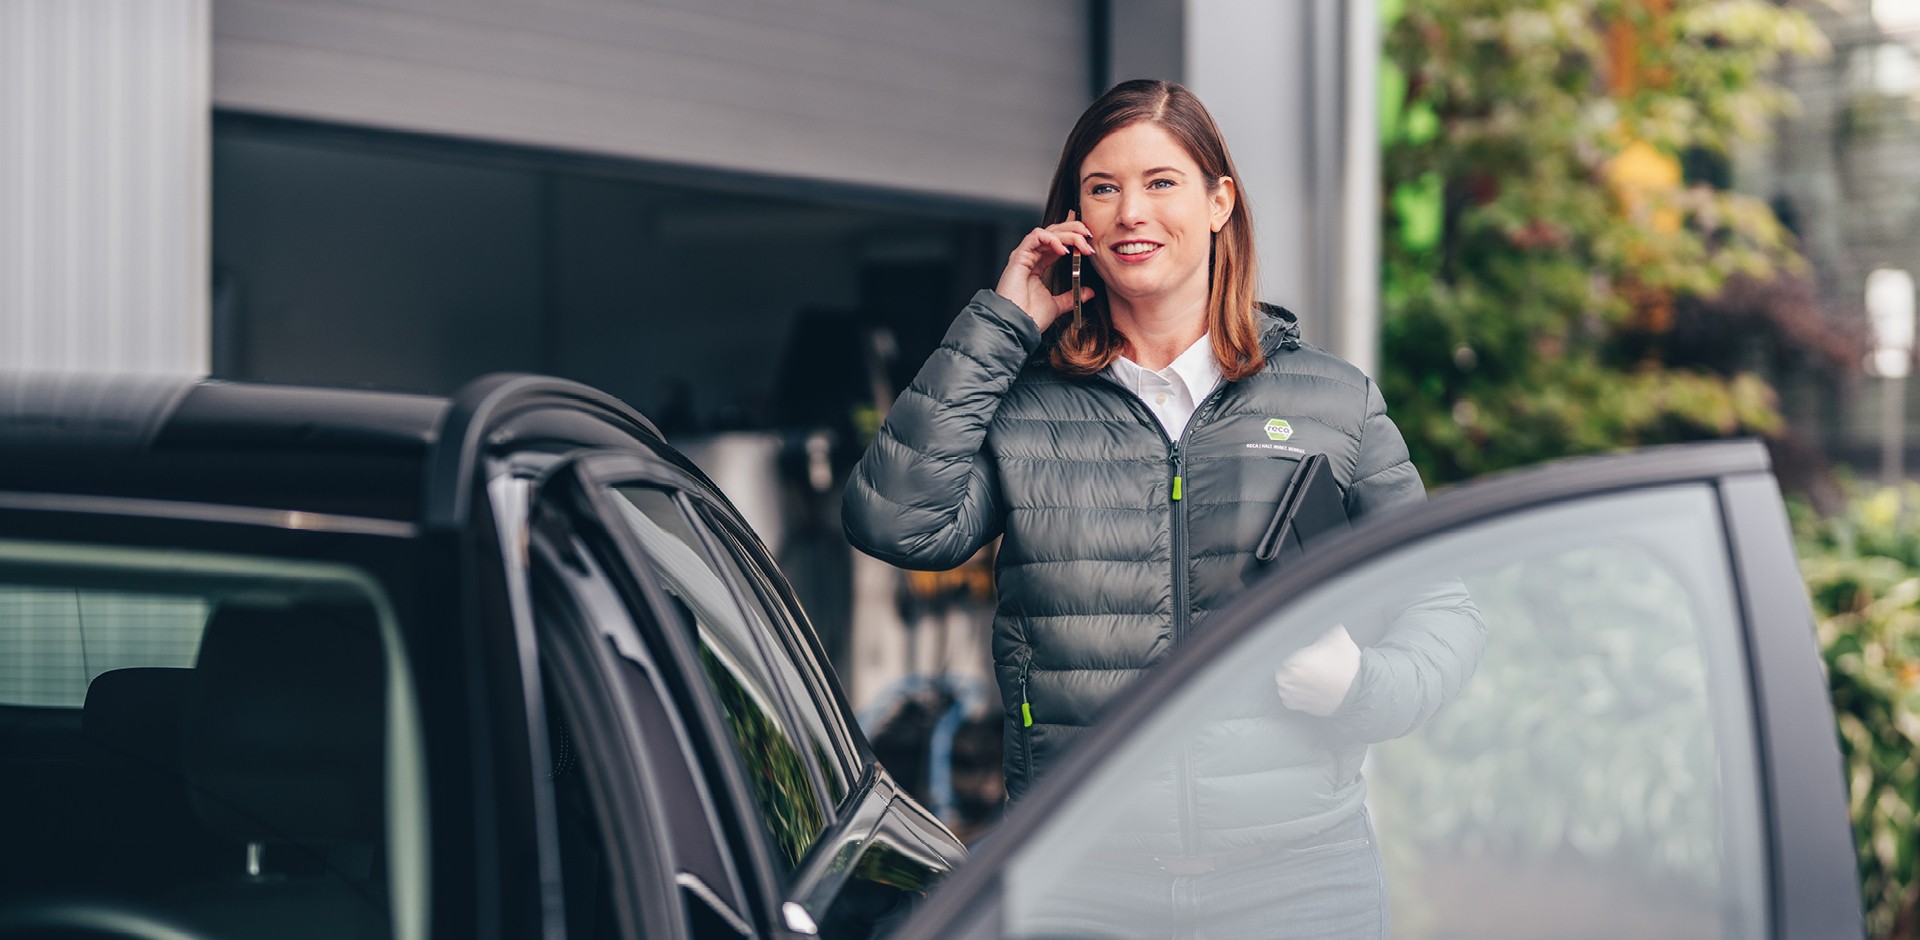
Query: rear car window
(54, 641)
(227, 742)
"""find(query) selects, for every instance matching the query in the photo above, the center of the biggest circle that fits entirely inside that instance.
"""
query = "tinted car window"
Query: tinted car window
(792, 664)
(1594, 778)
(225, 739)
(53, 642)
(770, 746)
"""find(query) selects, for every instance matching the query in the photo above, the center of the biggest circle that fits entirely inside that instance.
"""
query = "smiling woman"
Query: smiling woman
(1133, 443)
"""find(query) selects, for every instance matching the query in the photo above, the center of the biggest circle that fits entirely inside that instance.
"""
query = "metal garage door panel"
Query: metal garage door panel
(970, 100)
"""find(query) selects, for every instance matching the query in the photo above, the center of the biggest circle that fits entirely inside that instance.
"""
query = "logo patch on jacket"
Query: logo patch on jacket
(1278, 429)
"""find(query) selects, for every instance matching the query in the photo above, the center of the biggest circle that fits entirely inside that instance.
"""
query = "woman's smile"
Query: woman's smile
(1135, 251)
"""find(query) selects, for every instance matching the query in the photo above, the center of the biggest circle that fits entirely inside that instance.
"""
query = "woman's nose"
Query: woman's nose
(1130, 209)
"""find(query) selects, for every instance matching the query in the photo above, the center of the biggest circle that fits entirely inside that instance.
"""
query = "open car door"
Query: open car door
(1641, 743)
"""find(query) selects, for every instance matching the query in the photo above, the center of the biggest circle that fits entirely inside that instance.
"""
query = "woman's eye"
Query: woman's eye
(1101, 189)
(1160, 184)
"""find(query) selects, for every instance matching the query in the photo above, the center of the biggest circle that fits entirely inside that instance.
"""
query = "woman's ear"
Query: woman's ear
(1223, 198)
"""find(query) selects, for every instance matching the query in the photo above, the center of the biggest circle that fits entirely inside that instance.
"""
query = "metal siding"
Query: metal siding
(103, 185)
(971, 100)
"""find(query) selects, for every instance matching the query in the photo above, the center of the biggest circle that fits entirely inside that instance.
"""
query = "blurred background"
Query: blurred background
(1546, 227)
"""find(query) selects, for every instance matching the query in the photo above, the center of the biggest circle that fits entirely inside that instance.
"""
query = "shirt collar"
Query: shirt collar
(1196, 367)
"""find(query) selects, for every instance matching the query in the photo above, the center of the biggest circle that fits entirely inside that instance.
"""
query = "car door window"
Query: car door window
(772, 747)
(1594, 777)
(601, 681)
(828, 738)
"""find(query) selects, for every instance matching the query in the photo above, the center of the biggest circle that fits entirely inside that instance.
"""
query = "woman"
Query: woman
(1132, 453)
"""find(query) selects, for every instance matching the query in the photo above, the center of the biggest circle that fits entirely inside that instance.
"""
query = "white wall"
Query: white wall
(103, 185)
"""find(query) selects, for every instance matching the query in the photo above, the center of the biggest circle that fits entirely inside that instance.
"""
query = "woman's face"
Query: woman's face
(1152, 217)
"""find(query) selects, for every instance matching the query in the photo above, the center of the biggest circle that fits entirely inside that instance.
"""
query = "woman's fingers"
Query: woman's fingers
(1042, 246)
(1024, 280)
(1074, 232)
(1043, 250)
(1080, 228)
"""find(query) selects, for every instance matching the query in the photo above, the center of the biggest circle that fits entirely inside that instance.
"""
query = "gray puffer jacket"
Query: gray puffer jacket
(1119, 543)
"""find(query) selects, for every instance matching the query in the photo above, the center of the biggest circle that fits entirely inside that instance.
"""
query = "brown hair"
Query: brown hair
(1087, 345)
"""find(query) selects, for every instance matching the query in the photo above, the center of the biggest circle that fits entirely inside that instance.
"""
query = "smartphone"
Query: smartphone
(1076, 286)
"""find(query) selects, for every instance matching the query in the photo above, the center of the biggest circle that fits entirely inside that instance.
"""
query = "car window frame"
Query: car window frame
(870, 806)
(394, 558)
(799, 641)
(603, 475)
(1811, 882)
(605, 637)
(572, 485)
(607, 497)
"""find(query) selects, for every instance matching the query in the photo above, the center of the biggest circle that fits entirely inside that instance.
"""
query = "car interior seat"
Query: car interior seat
(99, 808)
(137, 827)
(284, 751)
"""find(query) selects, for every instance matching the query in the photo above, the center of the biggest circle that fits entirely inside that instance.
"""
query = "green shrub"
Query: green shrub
(1558, 229)
(1862, 567)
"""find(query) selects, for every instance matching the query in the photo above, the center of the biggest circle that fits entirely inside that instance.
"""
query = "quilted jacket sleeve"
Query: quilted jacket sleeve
(925, 495)
(1432, 647)
(1383, 474)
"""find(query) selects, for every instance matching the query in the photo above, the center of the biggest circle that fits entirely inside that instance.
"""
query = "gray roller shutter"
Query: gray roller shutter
(965, 99)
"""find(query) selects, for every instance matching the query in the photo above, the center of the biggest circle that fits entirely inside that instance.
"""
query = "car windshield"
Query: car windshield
(1590, 772)
(221, 743)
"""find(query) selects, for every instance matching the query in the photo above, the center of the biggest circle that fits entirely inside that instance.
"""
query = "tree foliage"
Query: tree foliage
(1862, 566)
(1556, 204)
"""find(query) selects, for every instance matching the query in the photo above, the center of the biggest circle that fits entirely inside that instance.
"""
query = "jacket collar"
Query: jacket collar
(1279, 329)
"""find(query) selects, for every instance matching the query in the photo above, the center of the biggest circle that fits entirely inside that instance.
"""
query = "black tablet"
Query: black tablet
(1310, 507)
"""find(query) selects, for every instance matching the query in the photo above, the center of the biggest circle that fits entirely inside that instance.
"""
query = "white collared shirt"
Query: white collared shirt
(1174, 392)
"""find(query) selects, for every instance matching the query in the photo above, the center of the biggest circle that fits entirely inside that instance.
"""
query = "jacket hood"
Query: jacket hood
(1281, 328)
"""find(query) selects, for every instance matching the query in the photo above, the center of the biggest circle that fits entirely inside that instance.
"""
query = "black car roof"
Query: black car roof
(321, 450)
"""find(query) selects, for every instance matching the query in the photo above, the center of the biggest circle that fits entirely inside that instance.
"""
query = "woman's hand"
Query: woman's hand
(1025, 280)
(1315, 679)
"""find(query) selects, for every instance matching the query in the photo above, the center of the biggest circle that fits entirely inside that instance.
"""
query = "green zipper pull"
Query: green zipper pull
(1176, 489)
(1026, 708)
(1175, 457)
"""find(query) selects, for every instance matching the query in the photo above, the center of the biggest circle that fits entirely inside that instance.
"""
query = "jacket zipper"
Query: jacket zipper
(1178, 525)
(1182, 622)
(1026, 715)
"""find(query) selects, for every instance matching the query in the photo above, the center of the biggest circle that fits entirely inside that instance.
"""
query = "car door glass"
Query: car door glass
(1594, 777)
(590, 774)
(779, 626)
(769, 745)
